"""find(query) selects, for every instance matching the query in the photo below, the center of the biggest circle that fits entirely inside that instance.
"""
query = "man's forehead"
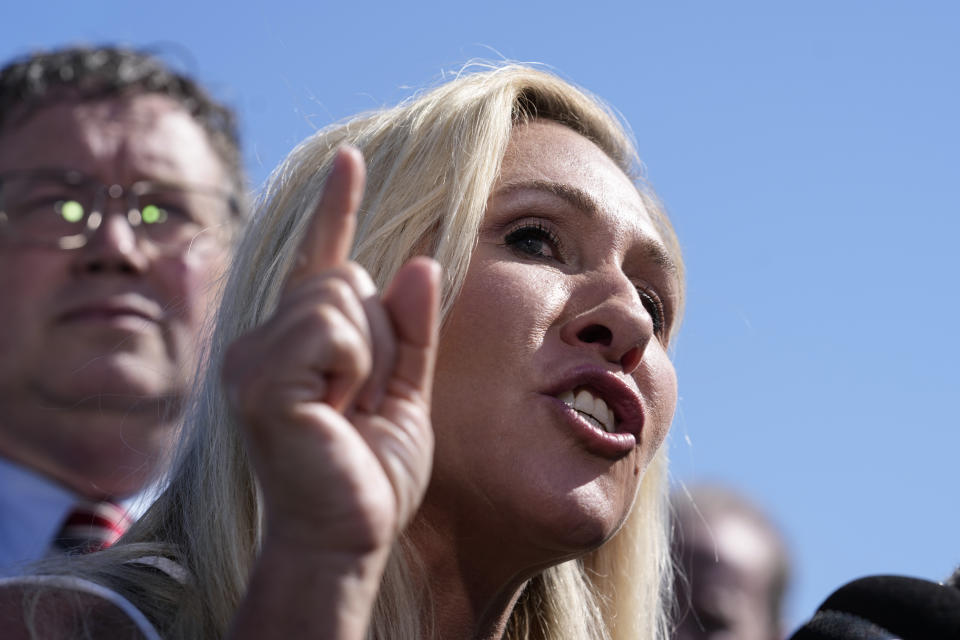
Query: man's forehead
(139, 108)
(147, 130)
(69, 102)
(153, 118)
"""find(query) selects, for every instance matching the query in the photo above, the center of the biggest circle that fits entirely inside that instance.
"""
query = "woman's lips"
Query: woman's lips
(603, 411)
(591, 437)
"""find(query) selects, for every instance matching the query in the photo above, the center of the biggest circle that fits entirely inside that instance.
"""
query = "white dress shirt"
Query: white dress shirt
(33, 508)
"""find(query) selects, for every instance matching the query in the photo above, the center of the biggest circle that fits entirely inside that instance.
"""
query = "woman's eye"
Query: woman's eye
(534, 240)
(655, 308)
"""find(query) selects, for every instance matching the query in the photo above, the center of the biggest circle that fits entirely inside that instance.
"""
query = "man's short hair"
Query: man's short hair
(91, 73)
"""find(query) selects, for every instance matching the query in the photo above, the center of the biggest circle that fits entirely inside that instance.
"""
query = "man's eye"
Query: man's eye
(534, 240)
(69, 210)
(153, 214)
(172, 206)
(651, 302)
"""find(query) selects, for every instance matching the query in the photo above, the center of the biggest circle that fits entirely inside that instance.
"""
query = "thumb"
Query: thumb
(412, 301)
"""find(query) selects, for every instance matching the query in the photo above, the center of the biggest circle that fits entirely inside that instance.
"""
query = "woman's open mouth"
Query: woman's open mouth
(591, 408)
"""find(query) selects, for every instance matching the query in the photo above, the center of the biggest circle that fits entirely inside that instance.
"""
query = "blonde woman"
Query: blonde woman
(403, 447)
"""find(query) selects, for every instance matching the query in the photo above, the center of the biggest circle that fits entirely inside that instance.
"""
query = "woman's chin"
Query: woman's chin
(578, 528)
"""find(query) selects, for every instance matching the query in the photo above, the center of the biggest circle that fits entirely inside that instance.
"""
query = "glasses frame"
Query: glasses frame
(103, 193)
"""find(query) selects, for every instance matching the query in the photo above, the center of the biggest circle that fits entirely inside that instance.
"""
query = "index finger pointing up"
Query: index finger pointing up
(329, 234)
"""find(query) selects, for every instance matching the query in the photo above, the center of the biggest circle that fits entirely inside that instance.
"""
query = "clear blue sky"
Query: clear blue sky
(808, 155)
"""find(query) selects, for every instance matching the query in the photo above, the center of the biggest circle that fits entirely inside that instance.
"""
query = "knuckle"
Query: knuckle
(362, 362)
(324, 317)
(360, 279)
(348, 351)
(354, 353)
(336, 288)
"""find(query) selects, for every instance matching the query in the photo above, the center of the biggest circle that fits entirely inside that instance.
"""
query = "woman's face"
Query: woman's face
(553, 387)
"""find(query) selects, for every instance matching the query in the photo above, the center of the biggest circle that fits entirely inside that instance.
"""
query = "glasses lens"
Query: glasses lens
(64, 209)
(175, 218)
(70, 210)
(153, 215)
(44, 208)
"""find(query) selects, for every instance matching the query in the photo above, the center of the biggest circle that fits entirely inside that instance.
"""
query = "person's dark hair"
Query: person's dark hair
(90, 73)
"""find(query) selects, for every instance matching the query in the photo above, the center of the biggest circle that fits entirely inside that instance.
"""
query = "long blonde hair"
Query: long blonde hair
(431, 163)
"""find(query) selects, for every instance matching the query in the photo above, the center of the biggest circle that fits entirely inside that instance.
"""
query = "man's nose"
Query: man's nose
(113, 246)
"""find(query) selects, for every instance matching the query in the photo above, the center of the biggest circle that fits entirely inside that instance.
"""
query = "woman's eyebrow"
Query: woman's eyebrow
(574, 196)
(653, 250)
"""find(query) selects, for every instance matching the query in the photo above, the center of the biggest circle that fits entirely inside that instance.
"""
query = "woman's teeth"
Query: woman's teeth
(591, 407)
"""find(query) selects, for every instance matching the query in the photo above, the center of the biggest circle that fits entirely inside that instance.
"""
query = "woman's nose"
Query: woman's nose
(611, 321)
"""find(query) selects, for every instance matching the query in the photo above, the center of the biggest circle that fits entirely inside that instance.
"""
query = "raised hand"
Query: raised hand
(334, 390)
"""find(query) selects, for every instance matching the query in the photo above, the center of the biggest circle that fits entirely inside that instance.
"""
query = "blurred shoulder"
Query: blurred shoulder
(67, 607)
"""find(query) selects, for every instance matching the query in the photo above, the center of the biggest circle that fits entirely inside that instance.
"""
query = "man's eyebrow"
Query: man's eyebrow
(585, 203)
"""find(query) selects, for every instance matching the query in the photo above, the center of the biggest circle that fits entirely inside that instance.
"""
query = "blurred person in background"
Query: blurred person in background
(120, 183)
(732, 567)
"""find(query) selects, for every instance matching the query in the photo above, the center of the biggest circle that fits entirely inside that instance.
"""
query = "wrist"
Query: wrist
(304, 591)
(337, 539)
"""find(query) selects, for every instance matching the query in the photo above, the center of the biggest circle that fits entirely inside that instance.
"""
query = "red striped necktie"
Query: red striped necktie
(92, 526)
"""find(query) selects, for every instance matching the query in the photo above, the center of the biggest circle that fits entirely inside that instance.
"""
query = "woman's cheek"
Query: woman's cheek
(658, 384)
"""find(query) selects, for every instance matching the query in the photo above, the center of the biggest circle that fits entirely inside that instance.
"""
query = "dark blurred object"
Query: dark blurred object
(954, 580)
(732, 567)
(884, 608)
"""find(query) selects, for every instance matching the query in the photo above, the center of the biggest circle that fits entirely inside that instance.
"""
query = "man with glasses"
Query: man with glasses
(120, 187)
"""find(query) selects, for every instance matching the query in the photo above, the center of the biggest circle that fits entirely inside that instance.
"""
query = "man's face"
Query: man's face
(100, 341)
(730, 565)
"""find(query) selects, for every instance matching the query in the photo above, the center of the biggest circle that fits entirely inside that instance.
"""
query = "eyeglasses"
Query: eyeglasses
(63, 209)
